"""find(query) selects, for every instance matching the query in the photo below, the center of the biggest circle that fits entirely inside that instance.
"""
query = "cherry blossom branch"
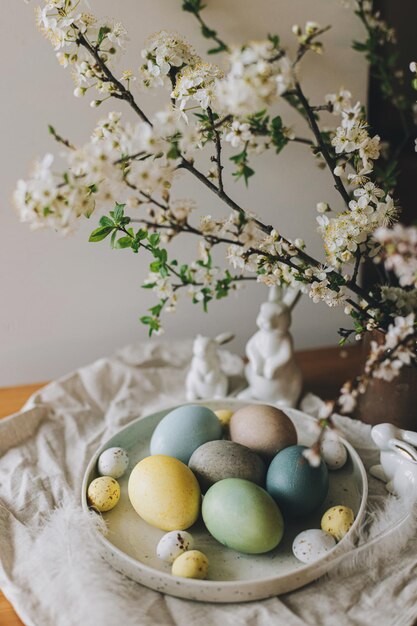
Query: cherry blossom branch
(123, 92)
(218, 144)
(195, 7)
(321, 144)
(59, 139)
(126, 95)
(187, 228)
(305, 45)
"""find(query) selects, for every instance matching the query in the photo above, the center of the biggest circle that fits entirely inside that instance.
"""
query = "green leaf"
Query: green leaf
(141, 234)
(154, 239)
(118, 212)
(155, 266)
(104, 30)
(193, 6)
(220, 48)
(360, 47)
(100, 233)
(207, 32)
(274, 39)
(123, 242)
(106, 221)
(173, 152)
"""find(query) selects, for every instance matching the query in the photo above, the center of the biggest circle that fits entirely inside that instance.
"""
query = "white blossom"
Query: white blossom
(254, 80)
(164, 50)
(399, 252)
(196, 82)
(238, 134)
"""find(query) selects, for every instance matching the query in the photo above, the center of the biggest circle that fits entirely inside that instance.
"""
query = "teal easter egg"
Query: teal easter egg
(242, 516)
(296, 486)
(183, 430)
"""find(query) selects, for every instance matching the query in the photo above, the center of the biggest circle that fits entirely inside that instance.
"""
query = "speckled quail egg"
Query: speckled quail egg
(333, 452)
(192, 564)
(103, 493)
(173, 544)
(113, 462)
(311, 545)
(337, 521)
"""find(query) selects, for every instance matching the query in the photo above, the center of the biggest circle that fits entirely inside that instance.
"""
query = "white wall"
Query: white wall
(65, 302)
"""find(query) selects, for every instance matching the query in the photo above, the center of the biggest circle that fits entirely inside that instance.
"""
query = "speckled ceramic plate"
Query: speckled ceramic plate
(130, 544)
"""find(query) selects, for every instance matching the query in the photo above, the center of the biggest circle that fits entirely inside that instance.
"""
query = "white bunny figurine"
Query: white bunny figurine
(205, 378)
(272, 372)
(398, 468)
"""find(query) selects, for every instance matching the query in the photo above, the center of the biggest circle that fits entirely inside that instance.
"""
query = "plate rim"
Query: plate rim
(343, 546)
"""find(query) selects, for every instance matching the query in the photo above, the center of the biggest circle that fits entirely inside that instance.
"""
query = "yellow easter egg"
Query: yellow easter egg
(191, 564)
(164, 492)
(224, 416)
(337, 521)
(103, 493)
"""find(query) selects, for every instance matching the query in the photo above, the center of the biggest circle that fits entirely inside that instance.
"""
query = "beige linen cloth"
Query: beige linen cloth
(50, 566)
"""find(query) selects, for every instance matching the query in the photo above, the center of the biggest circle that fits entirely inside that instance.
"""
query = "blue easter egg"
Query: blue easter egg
(183, 430)
(296, 486)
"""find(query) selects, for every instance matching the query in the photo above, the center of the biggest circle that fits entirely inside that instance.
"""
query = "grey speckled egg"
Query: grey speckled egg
(217, 460)
(311, 545)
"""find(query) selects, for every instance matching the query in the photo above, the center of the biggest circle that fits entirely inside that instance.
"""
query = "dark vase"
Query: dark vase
(388, 401)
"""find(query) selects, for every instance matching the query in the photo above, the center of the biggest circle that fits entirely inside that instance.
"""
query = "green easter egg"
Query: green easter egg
(242, 516)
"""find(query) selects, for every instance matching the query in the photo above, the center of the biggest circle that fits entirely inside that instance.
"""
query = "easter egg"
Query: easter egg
(337, 521)
(242, 516)
(296, 486)
(183, 430)
(192, 564)
(224, 416)
(311, 545)
(164, 492)
(113, 462)
(333, 452)
(264, 429)
(216, 460)
(103, 493)
(174, 543)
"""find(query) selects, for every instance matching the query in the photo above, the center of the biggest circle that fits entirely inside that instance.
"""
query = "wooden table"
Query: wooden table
(324, 371)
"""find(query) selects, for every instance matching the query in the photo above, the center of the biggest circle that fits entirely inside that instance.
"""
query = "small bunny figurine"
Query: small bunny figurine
(398, 468)
(205, 378)
(272, 372)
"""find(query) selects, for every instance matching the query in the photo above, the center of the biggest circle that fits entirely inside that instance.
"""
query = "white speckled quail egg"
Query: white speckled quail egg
(113, 462)
(333, 452)
(311, 545)
(172, 544)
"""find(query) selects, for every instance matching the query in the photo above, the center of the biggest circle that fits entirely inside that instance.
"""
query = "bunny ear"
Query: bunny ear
(409, 436)
(404, 449)
(224, 338)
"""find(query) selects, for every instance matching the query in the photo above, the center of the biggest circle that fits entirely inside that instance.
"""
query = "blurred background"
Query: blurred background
(65, 301)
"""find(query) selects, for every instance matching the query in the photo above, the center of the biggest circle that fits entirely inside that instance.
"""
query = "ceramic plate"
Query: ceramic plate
(130, 544)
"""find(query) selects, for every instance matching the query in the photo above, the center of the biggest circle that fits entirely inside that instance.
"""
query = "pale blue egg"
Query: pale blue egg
(183, 430)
